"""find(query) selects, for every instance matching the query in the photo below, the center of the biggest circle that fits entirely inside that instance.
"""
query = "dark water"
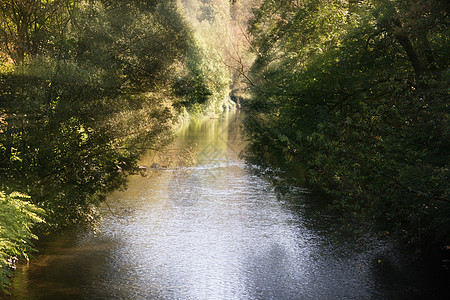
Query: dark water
(212, 230)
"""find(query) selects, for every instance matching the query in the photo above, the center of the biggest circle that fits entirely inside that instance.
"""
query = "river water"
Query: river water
(206, 227)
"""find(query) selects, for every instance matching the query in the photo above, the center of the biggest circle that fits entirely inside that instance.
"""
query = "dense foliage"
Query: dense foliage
(76, 113)
(222, 40)
(357, 91)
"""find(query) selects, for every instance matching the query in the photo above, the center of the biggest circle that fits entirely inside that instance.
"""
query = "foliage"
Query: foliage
(209, 73)
(358, 92)
(78, 114)
(17, 217)
(30, 27)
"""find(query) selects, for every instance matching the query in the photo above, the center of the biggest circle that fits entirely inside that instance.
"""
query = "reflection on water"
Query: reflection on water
(211, 230)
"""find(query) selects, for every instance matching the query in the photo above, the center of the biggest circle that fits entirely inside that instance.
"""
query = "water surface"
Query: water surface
(202, 226)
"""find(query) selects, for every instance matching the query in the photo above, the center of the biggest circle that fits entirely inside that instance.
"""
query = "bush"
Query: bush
(17, 218)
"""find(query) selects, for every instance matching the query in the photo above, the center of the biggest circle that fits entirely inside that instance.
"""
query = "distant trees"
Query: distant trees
(220, 54)
(357, 91)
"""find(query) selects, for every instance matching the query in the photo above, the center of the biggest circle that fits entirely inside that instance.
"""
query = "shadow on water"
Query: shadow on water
(204, 226)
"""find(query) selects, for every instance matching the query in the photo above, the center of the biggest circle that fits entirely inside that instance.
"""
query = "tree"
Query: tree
(356, 91)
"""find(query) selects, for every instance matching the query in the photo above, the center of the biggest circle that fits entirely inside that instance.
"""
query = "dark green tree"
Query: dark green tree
(356, 91)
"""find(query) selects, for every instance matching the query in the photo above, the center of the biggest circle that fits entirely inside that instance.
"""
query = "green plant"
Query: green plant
(17, 218)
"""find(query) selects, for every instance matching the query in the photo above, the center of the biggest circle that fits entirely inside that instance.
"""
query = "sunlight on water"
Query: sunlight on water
(211, 231)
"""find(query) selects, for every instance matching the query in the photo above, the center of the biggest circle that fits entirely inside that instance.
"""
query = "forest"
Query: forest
(353, 91)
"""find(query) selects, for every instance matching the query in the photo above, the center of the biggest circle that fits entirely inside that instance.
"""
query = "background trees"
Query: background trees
(220, 54)
(356, 90)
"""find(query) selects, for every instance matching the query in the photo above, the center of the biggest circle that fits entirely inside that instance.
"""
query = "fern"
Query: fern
(17, 218)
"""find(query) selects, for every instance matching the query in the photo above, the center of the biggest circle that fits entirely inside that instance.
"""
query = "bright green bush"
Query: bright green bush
(17, 218)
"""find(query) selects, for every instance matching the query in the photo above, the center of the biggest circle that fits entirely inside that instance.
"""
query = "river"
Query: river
(206, 227)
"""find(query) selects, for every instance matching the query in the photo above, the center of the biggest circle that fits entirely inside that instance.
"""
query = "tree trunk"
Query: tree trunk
(407, 45)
